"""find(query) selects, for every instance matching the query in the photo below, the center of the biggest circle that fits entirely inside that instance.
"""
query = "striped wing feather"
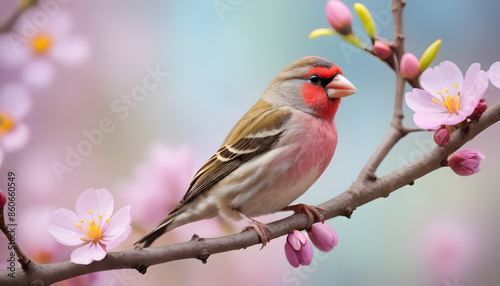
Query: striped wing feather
(256, 132)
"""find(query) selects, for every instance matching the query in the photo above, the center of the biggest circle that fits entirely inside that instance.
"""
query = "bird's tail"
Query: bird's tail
(164, 226)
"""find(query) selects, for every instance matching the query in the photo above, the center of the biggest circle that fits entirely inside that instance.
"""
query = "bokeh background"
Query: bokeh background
(216, 58)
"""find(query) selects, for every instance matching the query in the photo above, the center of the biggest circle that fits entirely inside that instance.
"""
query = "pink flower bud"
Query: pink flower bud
(465, 162)
(3, 199)
(323, 236)
(298, 249)
(479, 110)
(410, 67)
(441, 136)
(339, 17)
(381, 50)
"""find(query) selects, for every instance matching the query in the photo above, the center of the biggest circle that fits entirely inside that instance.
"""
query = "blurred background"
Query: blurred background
(134, 96)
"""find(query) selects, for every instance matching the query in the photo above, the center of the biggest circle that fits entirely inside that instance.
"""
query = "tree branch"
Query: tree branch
(360, 193)
(25, 4)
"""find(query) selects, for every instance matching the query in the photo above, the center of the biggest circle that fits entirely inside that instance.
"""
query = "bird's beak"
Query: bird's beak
(340, 87)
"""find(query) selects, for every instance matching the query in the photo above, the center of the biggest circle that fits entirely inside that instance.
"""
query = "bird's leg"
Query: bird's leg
(312, 212)
(261, 228)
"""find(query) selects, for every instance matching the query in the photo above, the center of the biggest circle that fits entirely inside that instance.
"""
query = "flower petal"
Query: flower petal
(305, 255)
(470, 77)
(421, 101)
(117, 225)
(293, 241)
(98, 201)
(494, 74)
(105, 203)
(16, 138)
(291, 256)
(430, 121)
(118, 239)
(13, 50)
(71, 51)
(88, 253)
(64, 236)
(15, 100)
(442, 76)
(38, 73)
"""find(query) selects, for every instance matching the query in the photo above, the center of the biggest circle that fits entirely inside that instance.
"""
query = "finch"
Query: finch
(275, 152)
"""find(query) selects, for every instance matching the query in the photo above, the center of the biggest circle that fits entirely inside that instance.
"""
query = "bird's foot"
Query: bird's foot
(262, 229)
(312, 212)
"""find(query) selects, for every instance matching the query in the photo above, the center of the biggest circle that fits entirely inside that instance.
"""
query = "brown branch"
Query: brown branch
(25, 262)
(360, 193)
(7, 26)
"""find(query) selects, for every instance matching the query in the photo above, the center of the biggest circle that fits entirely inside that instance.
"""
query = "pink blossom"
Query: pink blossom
(465, 162)
(494, 74)
(162, 180)
(93, 226)
(410, 67)
(381, 50)
(298, 249)
(447, 98)
(14, 106)
(323, 236)
(36, 48)
(339, 17)
(441, 136)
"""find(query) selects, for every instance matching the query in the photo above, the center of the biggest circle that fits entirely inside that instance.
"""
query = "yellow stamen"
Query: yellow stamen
(99, 216)
(108, 220)
(6, 123)
(41, 43)
(89, 211)
(93, 232)
(451, 103)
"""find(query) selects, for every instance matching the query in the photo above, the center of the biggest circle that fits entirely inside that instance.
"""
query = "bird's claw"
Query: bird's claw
(312, 212)
(262, 230)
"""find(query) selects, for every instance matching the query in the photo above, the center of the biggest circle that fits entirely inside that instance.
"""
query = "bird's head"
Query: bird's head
(311, 84)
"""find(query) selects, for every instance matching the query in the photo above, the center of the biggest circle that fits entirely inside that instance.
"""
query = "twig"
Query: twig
(7, 26)
(26, 263)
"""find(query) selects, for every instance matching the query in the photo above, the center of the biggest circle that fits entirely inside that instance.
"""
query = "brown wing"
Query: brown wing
(256, 132)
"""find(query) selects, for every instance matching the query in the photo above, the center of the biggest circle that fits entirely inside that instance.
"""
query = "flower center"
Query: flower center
(6, 123)
(41, 43)
(94, 231)
(451, 103)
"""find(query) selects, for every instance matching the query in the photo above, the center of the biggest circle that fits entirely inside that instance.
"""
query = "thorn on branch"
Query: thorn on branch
(196, 238)
(348, 212)
(411, 183)
(204, 255)
(142, 268)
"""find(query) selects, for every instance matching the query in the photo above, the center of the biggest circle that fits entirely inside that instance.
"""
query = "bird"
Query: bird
(273, 154)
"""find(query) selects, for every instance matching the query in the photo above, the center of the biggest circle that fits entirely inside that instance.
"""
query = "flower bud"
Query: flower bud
(429, 55)
(409, 66)
(478, 111)
(381, 50)
(323, 236)
(3, 199)
(339, 17)
(298, 249)
(465, 162)
(366, 19)
(321, 32)
(441, 136)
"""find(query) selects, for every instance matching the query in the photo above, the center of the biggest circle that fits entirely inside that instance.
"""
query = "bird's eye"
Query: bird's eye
(314, 79)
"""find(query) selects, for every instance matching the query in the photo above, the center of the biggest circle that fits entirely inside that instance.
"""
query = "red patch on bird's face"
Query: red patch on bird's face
(315, 96)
